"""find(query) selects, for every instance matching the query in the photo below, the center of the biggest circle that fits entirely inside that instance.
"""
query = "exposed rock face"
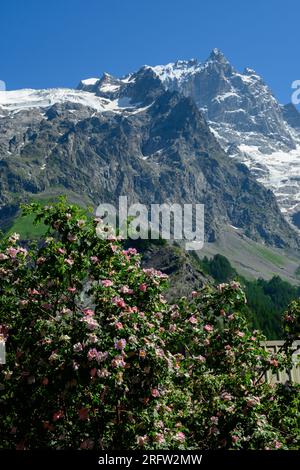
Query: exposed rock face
(291, 115)
(184, 275)
(129, 137)
(247, 120)
(232, 102)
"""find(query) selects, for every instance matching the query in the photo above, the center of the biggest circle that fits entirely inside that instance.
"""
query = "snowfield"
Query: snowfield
(18, 100)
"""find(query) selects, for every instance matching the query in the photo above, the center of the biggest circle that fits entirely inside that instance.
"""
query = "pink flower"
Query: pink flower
(33, 292)
(72, 289)
(77, 347)
(118, 361)
(90, 322)
(194, 293)
(201, 359)
(12, 252)
(143, 287)
(221, 287)
(92, 338)
(69, 261)
(133, 310)
(92, 354)
(88, 312)
(126, 290)
(274, 362)
(119, 325)
(61, 251)
(83, 414)
(102, 373)
(142, 440)
(208, 328)
(99, 356)
(94, 259)
(71, 237)
(241, 334)
(193, 320)
(130, 251)
(214, 419)
(53, 357)
(151, 272)
(155, 393)
(120, 344)
(234, 439)
(159, 352)
(253, 401)
(119, 302)
(175, 314)
(180, 436)
(235, 285)
(3, 257)
(288, 318)
(107, 283)
(58, 415)
(159, 438)
(226, 396)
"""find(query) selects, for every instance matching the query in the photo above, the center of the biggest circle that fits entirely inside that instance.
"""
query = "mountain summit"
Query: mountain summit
(217, 55)
(247, 120)
(156, 136)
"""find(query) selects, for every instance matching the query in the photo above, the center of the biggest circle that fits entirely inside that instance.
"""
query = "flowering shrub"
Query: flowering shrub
(97, 359)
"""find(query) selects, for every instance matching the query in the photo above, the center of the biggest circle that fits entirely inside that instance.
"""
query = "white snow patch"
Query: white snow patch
(109, 87)
(280, 172)
(24, 99)
(176, 70)
(90, 81)
(223, 97)
(20, 100)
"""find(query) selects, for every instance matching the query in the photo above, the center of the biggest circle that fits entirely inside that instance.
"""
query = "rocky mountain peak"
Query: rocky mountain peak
(156, 134)
(217, 55)
(250, 72)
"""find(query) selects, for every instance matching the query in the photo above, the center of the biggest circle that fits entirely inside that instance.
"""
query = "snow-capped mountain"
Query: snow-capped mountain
(247, 120)
(147, 124)
(243, 114)
(130, 136)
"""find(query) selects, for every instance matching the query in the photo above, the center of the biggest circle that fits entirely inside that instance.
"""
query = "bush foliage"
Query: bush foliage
(97, 359)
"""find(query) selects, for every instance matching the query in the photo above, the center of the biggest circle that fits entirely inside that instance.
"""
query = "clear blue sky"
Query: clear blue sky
(51, 43)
